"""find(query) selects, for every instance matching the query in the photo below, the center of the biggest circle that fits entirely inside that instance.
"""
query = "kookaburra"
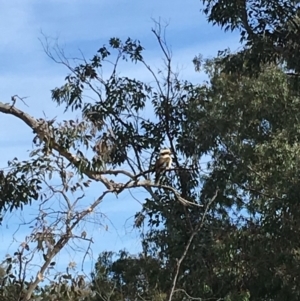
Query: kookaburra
(163, 163)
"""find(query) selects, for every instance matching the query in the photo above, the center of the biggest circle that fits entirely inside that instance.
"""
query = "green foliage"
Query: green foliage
(120, 104)
(17, 187)
(128, 278)
(268, 29)
(238, 237)
(248, 247)
(120, 99)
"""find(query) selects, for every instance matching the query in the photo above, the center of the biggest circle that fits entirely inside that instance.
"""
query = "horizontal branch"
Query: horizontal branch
(112, 186)
(148, 184)
(34, 124)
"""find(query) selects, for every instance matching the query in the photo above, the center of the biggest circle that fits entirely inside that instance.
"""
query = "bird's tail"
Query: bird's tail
(157, 175)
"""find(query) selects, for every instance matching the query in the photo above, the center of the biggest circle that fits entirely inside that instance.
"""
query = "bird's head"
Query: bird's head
(165, 151)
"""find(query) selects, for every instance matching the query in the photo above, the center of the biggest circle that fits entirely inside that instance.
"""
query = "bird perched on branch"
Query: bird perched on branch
(163, 163)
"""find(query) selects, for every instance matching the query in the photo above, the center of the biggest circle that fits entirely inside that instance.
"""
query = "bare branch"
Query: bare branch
(34, 124)
(15, 97)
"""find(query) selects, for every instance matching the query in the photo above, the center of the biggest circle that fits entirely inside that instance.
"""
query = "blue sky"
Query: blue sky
(86, 25)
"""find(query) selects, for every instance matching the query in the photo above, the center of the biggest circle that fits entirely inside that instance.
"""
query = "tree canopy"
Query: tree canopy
(223, 222)
(269, 32)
